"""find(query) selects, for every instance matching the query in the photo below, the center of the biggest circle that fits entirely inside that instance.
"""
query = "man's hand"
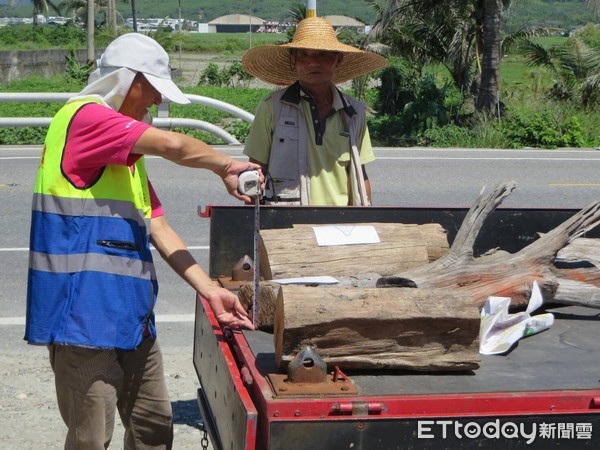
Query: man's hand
(231, 175)
(227, 308)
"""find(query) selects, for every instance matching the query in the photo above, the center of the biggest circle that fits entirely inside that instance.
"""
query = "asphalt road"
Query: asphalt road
(400, 177)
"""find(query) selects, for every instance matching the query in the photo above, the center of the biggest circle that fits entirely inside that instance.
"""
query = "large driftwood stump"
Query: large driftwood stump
(410, 329)
(510, 275)
(294, 252)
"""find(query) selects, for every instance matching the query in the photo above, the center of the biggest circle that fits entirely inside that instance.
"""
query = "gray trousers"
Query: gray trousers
(91, 384)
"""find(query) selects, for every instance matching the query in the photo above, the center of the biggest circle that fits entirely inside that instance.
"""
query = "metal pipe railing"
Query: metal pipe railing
(161, 121)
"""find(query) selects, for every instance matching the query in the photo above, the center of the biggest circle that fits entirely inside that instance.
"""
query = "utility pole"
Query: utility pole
(90, 31)
(250, 24)
(134, 15)
(180, 31)
(311, 8)
(112, 18)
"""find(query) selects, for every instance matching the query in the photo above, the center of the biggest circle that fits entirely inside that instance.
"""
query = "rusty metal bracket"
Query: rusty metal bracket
(307, 376)
(307, 367)
(241, 273)
(283, 387)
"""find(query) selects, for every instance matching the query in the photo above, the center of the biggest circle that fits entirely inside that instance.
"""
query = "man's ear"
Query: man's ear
(340, 58)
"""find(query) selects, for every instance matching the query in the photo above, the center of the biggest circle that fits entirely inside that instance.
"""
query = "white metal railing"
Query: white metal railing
(162, 120)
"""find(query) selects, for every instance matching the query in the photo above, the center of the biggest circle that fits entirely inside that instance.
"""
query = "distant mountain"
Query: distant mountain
(207, 10)
(522, 13)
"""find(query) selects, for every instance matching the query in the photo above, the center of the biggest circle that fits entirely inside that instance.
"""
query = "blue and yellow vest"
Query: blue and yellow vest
(91, 278)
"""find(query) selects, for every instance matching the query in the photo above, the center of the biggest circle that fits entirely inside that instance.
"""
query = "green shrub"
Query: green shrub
(211, 76)
(542, 130)
(77, 72)
(58, 36)
(22, 135)
(238, 129)
(232, 75)
(388, 131)
(410, 104)
(448, 136)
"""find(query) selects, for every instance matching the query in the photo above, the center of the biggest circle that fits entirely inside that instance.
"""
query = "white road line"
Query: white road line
(19, 157)
(163, 318)
(407, 158)
(25, 249)
(470, 158)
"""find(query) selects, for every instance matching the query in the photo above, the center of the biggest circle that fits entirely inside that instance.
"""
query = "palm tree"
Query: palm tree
(455, 33)
(39, 7)
(487, 98)
(575, 66)
(425, 34)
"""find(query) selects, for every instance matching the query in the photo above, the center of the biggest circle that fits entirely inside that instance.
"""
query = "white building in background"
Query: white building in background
(57, 20)
(155, 24)
(346, 22)
(235, 23)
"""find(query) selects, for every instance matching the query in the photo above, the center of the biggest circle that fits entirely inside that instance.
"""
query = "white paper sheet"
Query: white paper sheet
(346, 235)
(325, 279)
(500, 330)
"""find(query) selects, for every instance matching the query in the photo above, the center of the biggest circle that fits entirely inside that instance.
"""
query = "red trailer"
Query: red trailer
(544, 394)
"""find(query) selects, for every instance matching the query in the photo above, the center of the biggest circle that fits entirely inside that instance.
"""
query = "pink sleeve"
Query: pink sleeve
(99, 136)
(157, 209)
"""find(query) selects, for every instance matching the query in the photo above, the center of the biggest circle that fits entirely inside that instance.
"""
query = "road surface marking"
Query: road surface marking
(574, 184)
(162, 318)
(25, 249)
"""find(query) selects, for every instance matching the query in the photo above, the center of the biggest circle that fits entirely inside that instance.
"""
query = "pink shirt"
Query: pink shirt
(99, 136)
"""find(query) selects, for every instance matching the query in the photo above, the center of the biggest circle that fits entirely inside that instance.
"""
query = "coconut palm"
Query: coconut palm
(442, 35)
(574, 65)
(456, 33)
(40, 7)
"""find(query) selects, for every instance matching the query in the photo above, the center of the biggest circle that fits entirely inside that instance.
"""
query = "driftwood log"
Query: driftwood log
(294, 252)
(511, 275)
(410, 329)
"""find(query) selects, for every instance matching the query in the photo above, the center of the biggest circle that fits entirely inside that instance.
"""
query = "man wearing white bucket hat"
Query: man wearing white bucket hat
(310, 138)
(92, 284)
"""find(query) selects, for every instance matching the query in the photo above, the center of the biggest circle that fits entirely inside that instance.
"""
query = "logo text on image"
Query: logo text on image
(444, 429)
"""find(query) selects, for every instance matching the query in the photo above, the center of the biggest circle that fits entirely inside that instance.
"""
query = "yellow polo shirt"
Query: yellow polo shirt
(328, 161)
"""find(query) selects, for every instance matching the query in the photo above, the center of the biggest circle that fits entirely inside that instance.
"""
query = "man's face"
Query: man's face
(315, 66)
(140, 98)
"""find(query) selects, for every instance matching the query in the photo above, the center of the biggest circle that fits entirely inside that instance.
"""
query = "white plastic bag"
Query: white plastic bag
(500, 330)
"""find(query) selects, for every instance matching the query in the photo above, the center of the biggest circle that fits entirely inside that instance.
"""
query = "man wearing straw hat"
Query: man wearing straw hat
(92, 284)
(310, 138)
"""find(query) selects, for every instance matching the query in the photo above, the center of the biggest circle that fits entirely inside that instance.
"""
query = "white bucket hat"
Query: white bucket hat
(140, 53)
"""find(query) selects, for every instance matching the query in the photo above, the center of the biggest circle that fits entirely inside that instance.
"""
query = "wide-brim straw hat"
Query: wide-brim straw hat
(271, 63)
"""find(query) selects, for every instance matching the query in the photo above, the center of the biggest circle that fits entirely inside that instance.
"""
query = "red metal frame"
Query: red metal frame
(224, 337)
(399, 406)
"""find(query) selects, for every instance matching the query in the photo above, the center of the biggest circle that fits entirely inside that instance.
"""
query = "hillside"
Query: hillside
(525, 12)
(207, 10)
